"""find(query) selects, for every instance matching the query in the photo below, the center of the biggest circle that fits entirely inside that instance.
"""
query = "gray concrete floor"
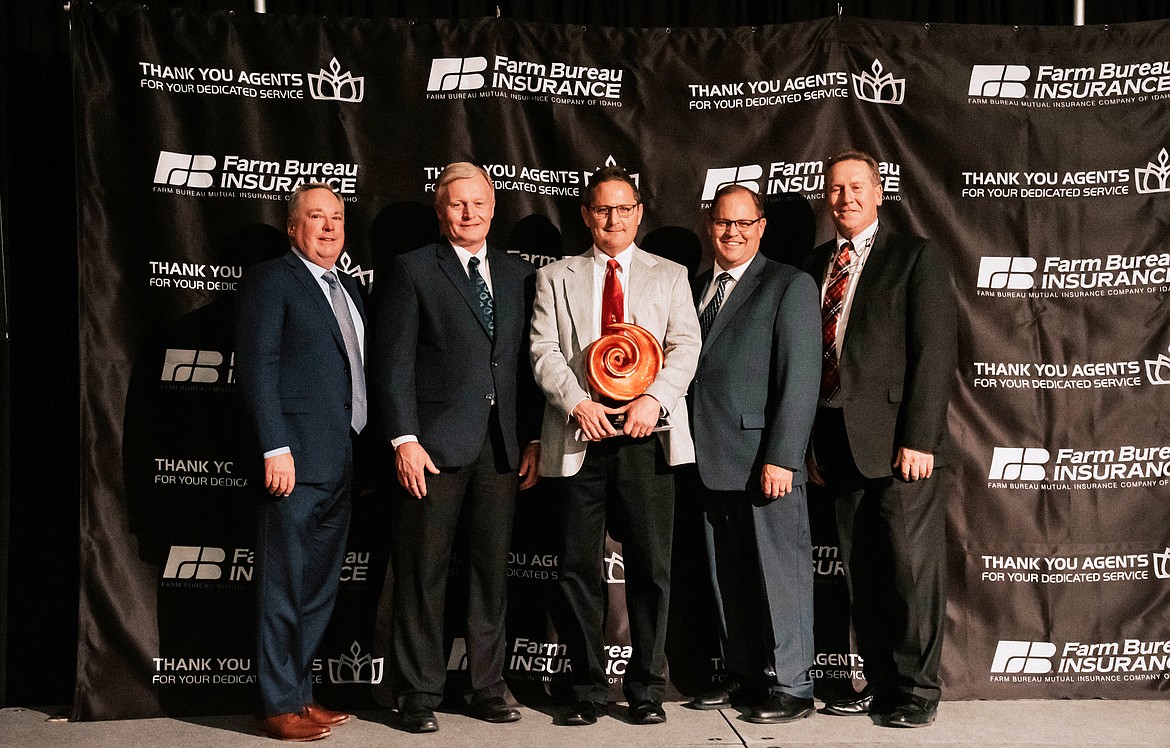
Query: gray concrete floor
(961, 723)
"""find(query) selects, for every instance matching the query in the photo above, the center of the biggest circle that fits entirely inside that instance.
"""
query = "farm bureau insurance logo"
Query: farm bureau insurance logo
(1127, 466)
(876, 86)
(324, 85)
(806, 178)
(200, 175)
(1046, 662)
(1047, 86)
(1054, 277)
(554, 82)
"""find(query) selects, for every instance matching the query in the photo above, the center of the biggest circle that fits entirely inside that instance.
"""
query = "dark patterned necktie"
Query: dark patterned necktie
(830, 316)
(482, 295)
(707, 318)
(357, 374)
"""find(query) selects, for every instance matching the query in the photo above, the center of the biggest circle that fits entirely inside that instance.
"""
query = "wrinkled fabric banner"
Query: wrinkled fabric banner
(1037, 157)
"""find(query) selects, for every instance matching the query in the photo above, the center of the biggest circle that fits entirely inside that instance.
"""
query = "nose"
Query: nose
(611, 217)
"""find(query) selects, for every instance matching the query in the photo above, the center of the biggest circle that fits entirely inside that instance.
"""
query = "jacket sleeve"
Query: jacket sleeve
(796, 373)
(681, 344)
(259, 328)
(931, 350)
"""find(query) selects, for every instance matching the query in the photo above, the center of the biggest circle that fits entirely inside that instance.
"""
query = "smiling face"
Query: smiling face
(611, 232)
(854, 194)
(465, 209)
(735, 246)
(317, 227)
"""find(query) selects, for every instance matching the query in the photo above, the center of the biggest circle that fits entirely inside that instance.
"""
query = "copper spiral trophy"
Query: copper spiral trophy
(621, 365)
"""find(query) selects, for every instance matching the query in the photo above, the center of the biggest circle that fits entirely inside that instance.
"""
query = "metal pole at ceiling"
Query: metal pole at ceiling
(1078, 12)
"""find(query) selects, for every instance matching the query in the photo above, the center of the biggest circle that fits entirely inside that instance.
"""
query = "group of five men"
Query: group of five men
(472, 344)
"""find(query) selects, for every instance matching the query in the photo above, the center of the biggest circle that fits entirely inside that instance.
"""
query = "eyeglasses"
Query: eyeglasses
(601, 212)
(742, 225)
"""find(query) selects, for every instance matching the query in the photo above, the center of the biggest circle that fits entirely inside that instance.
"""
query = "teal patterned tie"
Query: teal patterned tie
(482, 295)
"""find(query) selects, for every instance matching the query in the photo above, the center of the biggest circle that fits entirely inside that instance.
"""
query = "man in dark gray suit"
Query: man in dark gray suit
(462, 412)
(889, 336)
(299, 362)
(752, 405)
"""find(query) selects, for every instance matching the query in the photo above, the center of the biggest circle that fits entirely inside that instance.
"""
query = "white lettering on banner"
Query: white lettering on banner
(1045, 662)
(1055, 86)
(1126, 467)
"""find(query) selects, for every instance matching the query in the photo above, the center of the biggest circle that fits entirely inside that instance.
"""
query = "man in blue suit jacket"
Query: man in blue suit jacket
(752, 405)
(299, 362)
(462, 413)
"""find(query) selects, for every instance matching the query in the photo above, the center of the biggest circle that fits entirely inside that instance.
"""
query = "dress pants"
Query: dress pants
(631, 477)
(300, 547)
(760, 554)
(484, 493)
(893, 547)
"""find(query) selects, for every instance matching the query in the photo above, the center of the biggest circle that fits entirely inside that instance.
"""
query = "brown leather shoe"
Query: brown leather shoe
(294, 727)
(323, 716)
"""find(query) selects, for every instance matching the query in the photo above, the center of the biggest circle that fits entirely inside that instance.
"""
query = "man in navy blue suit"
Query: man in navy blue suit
(299, 361)
(752, 405)
(462, 413)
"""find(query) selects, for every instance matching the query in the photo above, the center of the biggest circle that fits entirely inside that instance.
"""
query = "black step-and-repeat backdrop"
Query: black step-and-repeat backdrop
(1037, 156)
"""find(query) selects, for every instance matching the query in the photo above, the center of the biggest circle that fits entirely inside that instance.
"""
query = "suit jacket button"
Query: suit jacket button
(346, 406)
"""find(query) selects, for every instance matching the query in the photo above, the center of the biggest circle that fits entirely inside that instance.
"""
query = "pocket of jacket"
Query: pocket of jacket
(751, 420)
(295, 404)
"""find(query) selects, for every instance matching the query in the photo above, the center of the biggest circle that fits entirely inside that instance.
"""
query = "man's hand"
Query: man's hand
(529, 466)
(912, 464)
(591, 417)
(641, 416)
(775, 481)
(280, 475)
(814, 470)
(413, 464)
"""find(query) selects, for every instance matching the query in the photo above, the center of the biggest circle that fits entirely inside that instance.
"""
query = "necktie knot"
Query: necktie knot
(472, 264)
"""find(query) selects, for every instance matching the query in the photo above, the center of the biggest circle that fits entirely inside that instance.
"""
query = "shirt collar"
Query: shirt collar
(624, 257)
(863, 241)
(313, 267)
(736, 272)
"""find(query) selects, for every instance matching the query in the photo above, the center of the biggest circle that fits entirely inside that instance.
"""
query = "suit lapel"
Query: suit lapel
(579, 295)
(743, 289)
(642, 266)
(869, 279)
(502, 281)
(317, 298)
(451, 266)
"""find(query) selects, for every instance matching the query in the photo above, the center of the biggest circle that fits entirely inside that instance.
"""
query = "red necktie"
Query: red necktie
(613, 305)
(830, 316)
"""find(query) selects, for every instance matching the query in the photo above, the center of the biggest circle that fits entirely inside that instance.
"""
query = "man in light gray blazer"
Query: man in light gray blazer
(595, 464)
(753, 402)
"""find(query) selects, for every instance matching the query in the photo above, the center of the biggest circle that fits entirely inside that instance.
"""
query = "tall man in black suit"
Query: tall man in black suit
(752, 406)
(880, 438)
(299, 362)
(462, 412)
(602, 469)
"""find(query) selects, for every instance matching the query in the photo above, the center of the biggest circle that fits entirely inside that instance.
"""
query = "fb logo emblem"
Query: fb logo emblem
(1006, 272)
(457, 73)
(1023, 657)
(1002, 81)
(1016, 463)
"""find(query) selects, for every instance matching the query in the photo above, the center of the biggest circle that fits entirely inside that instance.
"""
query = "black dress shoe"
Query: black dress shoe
(419, 719)
(914, 712)
(719, 698)
(584, 712)
(852, 706)
(647, 712)
(494, 709)
(780, 707)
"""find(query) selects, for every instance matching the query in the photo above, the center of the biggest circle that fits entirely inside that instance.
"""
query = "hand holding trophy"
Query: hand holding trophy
(620, 366)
